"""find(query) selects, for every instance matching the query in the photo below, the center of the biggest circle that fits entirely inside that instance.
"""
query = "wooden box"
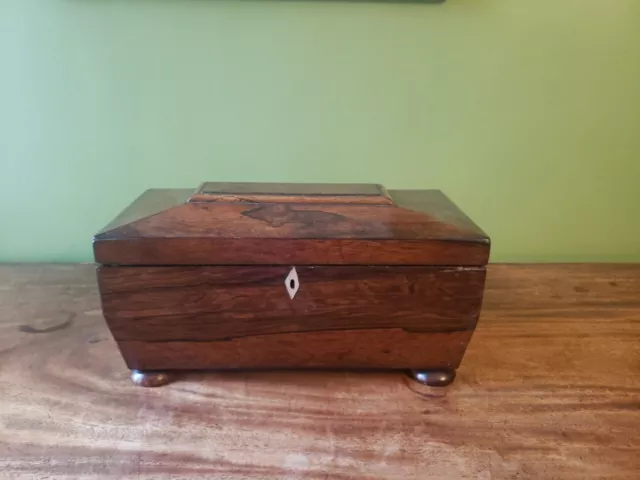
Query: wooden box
(257, 276)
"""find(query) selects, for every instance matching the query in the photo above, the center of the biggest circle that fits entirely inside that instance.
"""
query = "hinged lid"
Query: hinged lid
(291, 224)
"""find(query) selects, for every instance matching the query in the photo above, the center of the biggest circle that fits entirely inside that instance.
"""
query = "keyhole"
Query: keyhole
(292, 283)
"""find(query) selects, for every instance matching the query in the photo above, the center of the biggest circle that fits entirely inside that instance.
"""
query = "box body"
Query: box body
(204, 279)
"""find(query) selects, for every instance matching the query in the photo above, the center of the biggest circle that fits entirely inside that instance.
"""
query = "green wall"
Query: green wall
(525, 112)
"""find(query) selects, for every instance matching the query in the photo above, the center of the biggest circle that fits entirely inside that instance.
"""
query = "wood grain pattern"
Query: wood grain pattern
(297, 221)
(549, 388)
(220, 303)
(280, 251)
(390, 348)
(430, 230)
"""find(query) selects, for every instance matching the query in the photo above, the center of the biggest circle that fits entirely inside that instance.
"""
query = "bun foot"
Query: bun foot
(434, 378)
(150, 378)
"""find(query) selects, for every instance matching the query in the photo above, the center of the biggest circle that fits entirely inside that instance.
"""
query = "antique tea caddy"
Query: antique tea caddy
(279, 276)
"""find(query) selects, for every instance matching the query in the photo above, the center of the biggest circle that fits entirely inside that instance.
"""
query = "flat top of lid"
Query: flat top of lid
(363, 193)
(228, 223)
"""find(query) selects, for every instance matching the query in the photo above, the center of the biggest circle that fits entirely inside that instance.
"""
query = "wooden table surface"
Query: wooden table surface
(549, 388)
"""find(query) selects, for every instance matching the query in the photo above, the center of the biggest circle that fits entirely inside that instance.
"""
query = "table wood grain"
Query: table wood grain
(549, 388)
